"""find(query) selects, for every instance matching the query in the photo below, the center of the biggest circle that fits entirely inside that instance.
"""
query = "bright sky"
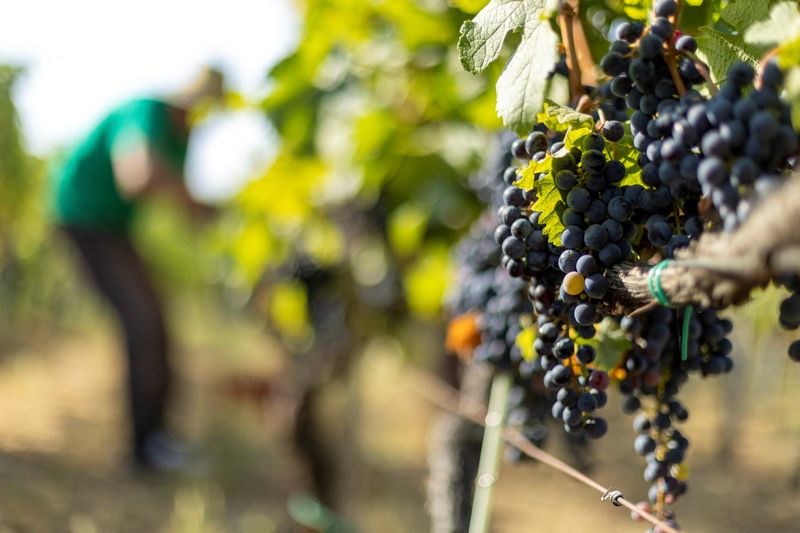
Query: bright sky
(82, 57)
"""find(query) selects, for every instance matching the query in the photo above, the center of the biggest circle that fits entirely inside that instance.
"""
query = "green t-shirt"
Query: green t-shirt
(85, 190)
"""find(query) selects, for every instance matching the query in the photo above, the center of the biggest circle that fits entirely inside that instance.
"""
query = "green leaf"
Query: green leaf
(575, 136)
(482, 37)
(522, 85)
(740, 14)
(633, 9)
(609, 343)
(551, 206)
(721, 49)
(529, 173)
(624, 151)
(782, 26)
(561, 118)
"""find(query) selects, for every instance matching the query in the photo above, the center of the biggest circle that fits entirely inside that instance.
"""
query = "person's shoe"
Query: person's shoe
(164, 454)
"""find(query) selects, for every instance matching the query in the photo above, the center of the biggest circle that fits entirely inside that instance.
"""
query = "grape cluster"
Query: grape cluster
(693, 152)
(519, 234)
(501, 301)
(731, 149)
(745, 140)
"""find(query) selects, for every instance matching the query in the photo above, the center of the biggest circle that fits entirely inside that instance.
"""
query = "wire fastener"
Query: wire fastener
(613, 496)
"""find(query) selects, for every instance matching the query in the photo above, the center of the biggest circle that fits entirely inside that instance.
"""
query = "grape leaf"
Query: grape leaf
(637, 9)
(719, 49)
(782, 26)
(624, 151)
(524, 342)
(551, 206)
(521, 86)
(609, 344)
(528, 174)
(561, 118)
(742, 13)
(482, 37)
(574, 136)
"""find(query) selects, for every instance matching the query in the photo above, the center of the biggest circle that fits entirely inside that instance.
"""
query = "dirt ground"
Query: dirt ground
(63, 464)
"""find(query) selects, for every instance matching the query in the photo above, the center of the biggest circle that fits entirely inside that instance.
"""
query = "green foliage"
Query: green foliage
(723, 43)
(37, 280)
(523, 83)
(742, 13)
(783, 29)
(634, 9)
(22, 213)
(624, 151)
(782, 26)
(719, 49)
(551, 206)
(376, 118)
(561, 118)
(610, 343)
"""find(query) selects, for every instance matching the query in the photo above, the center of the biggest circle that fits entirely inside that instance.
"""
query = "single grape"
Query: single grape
(613, 130)
(578, 199)
(596, 286)
(573, 283)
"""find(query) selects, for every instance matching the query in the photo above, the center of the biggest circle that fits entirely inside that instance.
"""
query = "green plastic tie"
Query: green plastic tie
(687, 318)
(654, 283)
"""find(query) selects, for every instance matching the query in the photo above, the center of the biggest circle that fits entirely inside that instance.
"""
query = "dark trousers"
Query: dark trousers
(121, 277)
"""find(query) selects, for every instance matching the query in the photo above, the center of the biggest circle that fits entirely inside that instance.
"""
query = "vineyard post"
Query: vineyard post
(491, 453)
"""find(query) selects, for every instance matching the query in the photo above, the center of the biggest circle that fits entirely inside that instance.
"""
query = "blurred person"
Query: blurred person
(135, 152)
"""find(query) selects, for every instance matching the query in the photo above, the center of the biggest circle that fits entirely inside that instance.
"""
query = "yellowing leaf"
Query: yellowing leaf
(252, 250)
(524, 342)
(561, 118)
(527, 176)
(407, 228)
(551, 206)
(287, 307)
(323, 242)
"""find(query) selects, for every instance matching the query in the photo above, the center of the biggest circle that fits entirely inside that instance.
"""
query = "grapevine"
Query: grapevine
(607, 205)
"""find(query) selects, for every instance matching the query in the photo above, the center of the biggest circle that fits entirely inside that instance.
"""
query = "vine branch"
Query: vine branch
(670, 55)
(566, 16)
(721, 269)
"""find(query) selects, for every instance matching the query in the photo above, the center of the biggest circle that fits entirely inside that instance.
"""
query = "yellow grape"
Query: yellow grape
(573, 283)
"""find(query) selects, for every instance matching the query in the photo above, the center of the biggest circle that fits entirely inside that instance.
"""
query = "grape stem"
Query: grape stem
(602, 119)
(567, 13)
(702, 68)
(670, 54)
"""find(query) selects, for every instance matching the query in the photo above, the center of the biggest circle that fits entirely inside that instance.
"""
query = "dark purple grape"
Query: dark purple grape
(613, 130)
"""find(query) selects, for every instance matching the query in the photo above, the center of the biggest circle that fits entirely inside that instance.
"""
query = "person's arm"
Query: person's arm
(140, 170)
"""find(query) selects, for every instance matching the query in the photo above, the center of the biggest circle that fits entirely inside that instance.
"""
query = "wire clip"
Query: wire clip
(613, 496)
